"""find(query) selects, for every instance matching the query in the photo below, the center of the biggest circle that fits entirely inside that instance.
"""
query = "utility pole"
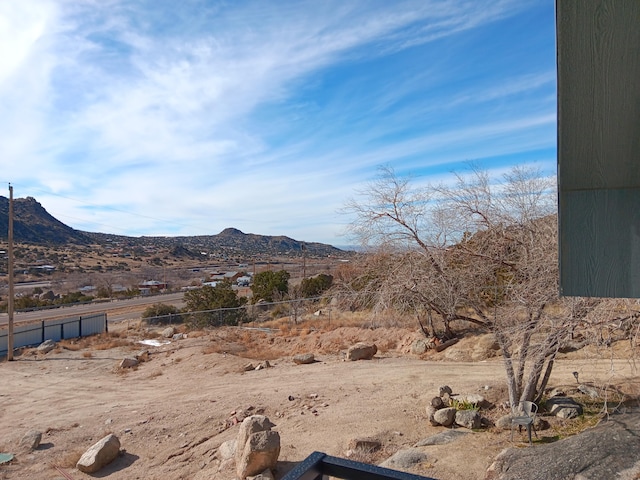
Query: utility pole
(10, 252)
(304, 261)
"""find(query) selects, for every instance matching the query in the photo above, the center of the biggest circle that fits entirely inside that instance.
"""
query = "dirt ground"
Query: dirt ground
(173, 411)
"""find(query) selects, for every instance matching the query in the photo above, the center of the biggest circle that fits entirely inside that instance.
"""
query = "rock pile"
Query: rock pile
(448, 409)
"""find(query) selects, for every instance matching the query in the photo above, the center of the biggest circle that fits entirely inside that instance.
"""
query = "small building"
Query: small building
(152, 286)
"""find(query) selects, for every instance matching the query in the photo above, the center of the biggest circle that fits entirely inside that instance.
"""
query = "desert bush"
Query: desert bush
(161, 313)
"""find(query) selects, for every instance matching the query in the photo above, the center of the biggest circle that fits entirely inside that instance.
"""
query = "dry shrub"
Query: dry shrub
(71, 345)
(262, 352)
(197, 334)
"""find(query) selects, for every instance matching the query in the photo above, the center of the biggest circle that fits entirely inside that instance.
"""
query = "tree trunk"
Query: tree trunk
(512, 385)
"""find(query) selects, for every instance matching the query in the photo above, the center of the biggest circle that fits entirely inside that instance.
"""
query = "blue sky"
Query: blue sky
(160, 117)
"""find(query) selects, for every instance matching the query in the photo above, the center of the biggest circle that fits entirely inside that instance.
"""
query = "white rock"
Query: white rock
(99, 454)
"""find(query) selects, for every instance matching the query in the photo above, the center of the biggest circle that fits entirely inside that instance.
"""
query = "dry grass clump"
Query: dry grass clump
(107, 341)
(71, 345)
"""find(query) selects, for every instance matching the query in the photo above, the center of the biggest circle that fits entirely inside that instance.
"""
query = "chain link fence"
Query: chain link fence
(259, 312)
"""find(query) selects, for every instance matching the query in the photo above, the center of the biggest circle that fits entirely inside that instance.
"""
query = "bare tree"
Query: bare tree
(480, 250)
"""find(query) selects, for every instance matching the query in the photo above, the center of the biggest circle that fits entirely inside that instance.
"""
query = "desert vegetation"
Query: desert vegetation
(480, 254)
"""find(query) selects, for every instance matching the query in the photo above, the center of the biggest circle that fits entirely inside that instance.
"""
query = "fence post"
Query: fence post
(80, 326)
(106, 323)
(42, 331)
(61, 331)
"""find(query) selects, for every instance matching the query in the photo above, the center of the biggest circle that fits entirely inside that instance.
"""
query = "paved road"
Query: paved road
(117, 310)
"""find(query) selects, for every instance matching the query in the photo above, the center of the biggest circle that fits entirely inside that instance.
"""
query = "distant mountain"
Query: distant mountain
(33, 224)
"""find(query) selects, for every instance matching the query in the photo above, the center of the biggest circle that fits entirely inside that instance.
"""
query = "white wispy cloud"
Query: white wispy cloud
(196, 116)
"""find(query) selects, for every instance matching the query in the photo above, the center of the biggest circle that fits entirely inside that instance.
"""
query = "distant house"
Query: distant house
(232, 276)
(243, 281)
(151, 286)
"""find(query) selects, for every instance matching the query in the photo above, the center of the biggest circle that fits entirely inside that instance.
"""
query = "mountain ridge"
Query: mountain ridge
(34, 225)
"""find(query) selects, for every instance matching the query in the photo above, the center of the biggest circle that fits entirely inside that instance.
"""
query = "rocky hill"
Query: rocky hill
(32, 224)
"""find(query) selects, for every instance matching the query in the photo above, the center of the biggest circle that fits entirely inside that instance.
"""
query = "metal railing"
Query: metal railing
(56, 330)
(319, 465)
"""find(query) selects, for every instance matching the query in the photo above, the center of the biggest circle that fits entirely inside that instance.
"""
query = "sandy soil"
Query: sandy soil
(173, 411)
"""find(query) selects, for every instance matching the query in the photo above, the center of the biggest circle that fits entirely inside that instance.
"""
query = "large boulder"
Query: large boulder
(304, 358)
(468, 418)
(609, 450)
(168, 332)
(563, 407)
(419, 346)
(129, 362)
(362, 351)
(441, 438)
(46, 346)
(260, 452)
(99, 454)
(257, 446)
(31, 440)
(445, 416)
(405, 459)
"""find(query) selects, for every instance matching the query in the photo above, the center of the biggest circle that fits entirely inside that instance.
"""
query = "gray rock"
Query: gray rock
(445, 416)
(227, 450)
(128, 362)
(441, 438)
(263, 365)
(99, 454)
(362, 351)
(248, 367)
(437, 403)
(266, 475)
(249, 426)
(405, 459)
(168, 332)
(261, 452)
(31, 439)
(504, 423)
(557, 392)
(177, 336)
(609, 450)
(444, 389)
(588, 390)
(304, 359)
(430, 413)
(563, 407)
(142, 356)
(46, 346)
(468, 418)
(419, 346)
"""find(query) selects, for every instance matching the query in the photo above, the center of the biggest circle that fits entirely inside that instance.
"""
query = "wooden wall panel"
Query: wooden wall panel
(598, 46)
